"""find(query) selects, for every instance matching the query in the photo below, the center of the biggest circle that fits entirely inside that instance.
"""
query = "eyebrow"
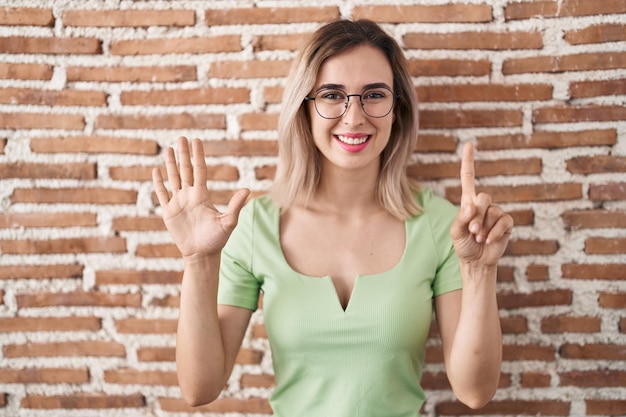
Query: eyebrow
(331, 86)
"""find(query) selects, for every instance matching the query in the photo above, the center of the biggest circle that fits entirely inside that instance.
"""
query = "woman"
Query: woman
(350, 255)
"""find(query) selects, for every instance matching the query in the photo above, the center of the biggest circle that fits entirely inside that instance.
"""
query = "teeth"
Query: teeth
(353, 141)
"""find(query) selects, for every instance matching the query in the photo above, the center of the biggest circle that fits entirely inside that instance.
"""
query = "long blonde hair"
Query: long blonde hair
(299, 169)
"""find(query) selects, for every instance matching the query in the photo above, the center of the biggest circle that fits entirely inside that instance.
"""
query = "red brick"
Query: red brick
(154, 74)
(166, 301)
(139, 277)
(43, 219)
(523, 193)
(596, 34)
(94, 145)
(562, 8)
(589, 113)
(198, 45)
(138, 224)
(251, 405)
(514, 324)
(50, 324)
(249, 69)
(241, 147)
(571, 324)
(44, 376)
(598, 164)
(76, 171)
(594, 219)
(436, 143)
(521, 247)
(536, 273)
(144, 173)
(449, 67)
(607, 192)
(274, 15)
(577, 62)
(136, 377)
(594, 271)
(249, 357)
(505, 274)
(288, 42)
(50, 45)
(535, 380)
(258, 381)
(511, 300)
(41, 271)
(507, 407)
(435, 381)
(156, 354)
(523, 217)
(65, 245)
(40, 97)
(605, 246)
(146, 326)
(584, 89)
(474, 40)
(165, 250)
(41, 121)
(445, 13)
(449, 119)
(596, 378)
(596, 351)
(128, 18)
(74, 195)
(612, 300)
(548, 140)
(77, 299)
(523, 352)
(484, 92)
(82, 401)
(258, 121)
(186, 97)
(26, 16)
(605, 407)
(64, 349)
(25, 71)
(163, 121)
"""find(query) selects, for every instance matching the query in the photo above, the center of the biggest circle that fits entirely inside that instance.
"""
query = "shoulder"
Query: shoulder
(434, 206)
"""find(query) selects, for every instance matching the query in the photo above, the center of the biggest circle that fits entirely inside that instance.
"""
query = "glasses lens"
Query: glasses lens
(377, 102)
(330, 104)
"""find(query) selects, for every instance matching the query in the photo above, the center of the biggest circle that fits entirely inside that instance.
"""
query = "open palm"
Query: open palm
(195, 224)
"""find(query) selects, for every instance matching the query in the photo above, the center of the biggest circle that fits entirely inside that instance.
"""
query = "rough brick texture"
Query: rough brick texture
(92, 92)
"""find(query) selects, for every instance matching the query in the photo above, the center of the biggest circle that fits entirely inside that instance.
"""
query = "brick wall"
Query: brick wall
(91, 92)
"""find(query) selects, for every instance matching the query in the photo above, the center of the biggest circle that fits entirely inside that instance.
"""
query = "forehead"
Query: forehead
(356, 67)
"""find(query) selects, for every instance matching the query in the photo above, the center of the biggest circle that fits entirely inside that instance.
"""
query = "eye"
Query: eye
(332, 95)
(375, 95)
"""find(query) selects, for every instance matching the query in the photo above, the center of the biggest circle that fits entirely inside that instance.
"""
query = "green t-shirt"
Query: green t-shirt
(365, 360)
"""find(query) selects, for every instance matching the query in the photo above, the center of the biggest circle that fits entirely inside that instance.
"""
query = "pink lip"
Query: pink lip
(356, 147)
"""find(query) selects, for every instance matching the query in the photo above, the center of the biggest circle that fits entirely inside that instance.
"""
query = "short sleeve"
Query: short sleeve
(237, 283)
(442, 213)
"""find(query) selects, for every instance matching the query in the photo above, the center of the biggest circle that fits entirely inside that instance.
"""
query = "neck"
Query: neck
(342, 191)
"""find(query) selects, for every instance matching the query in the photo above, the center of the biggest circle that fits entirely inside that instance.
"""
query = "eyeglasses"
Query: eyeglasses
(333, 103)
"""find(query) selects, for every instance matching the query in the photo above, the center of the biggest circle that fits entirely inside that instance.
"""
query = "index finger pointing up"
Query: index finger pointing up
(468, 188)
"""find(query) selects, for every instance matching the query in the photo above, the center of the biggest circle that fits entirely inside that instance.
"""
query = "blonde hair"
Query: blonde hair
(299, 169)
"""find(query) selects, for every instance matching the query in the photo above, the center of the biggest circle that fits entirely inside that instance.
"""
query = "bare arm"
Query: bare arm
(468, 319)
(209, 336)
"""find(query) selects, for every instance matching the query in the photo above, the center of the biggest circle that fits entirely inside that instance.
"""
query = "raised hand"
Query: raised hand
(481, 230)
(196, 226)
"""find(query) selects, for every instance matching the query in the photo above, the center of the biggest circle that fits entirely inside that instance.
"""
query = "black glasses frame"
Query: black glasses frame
(360, 96)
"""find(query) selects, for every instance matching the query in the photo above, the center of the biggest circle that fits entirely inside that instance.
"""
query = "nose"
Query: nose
(354, 112)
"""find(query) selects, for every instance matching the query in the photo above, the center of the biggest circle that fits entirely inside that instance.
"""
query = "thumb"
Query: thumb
(460, 226)
(236, 203)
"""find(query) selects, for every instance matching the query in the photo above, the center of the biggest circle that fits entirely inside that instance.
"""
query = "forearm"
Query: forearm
(199, 349)
(476, 355)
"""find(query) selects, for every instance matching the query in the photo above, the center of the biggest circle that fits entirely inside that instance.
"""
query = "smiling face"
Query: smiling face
(354, 140)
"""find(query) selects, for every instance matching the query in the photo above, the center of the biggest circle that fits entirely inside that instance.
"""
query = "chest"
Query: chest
(341, 250)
